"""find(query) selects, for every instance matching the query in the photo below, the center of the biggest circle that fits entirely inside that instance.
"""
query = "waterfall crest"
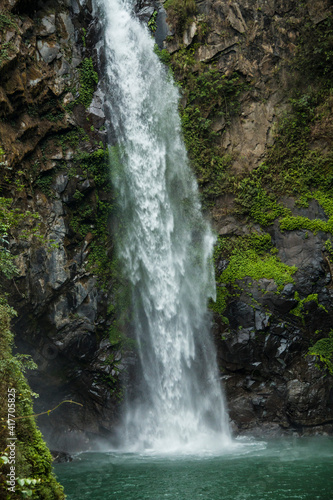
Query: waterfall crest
(165, 249)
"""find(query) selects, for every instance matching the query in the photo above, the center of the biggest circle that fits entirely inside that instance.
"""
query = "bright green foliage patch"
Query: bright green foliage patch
(254, 200)
(299, 310)
(329, 247)
(323, 350)
(259, 242)
(325, 200)
(249, 264)
(250, 256)
(88, 82)
(291, 223)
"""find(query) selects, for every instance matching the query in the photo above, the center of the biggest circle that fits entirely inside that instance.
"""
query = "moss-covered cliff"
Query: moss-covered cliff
(25, 461)
(54, 165)
(256, 106)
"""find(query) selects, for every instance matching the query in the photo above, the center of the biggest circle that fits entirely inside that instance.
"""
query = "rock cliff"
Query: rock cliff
(240, 64)
(253, 99)
(52, 138)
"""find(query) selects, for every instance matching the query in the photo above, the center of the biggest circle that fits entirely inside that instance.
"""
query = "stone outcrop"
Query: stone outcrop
(254, 41)
(62, 311)
(270, 379)
(271, 382)
(272, 385)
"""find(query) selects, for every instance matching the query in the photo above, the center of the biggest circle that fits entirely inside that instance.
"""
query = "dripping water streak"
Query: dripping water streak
(165, 249)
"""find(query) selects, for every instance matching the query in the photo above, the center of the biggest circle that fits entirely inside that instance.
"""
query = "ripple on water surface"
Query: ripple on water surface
(277, 470)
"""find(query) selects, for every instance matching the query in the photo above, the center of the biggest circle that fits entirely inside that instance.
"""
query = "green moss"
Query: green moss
(258, 242)
(250, 256)
(329, 247)
(249, 264)
(115, 334)
(300, 310)
(88, 82)
(253, 200)
(291, 223)
(33, 461)
(325, 200)
(323, 350)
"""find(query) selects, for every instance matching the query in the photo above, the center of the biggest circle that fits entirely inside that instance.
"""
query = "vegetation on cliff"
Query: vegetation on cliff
(24, 455)
(297, 164)
(47, 81)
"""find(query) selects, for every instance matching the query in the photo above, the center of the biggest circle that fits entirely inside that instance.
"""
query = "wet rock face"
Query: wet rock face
(269, 378)
(254, 41)
(270, 381)
(269, 386)
(62, 311)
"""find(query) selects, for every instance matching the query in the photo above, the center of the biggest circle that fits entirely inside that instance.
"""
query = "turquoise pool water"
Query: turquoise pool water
(276, 470)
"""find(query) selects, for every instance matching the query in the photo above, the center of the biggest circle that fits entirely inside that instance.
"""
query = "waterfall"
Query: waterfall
(165, 248)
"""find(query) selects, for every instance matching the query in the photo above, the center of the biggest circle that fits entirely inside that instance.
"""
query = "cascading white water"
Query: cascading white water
(165, 248)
